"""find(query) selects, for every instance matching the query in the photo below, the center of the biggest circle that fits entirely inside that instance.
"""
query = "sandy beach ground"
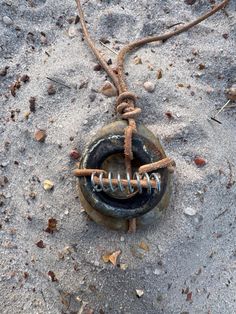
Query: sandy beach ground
(188, 262)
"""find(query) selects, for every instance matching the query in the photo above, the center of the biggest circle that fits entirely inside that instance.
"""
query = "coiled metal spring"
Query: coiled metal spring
(139, 181)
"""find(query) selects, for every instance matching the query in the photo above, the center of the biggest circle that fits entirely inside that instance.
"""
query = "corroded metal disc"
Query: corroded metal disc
(111, 209)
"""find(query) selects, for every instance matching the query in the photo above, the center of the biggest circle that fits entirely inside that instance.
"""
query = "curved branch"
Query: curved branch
(93, 47)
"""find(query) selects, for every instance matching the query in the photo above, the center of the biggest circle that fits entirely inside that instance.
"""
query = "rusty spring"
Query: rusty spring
(139, 181)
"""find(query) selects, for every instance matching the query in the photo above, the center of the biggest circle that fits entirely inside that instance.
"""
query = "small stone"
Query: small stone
(48, 185)
(97, 67)
(32, 101)
(157, 272)
(149, 86)
(3, 71)
(25, 78)
(74, 154)
(43, 38)
(7, 20)
(51, 89)
(139, 293)
(122, 239)
(231, 93)
(26, 115)
(40, 135)
(123, 266)
(92, 97)
(190, 2)
(73, 31)
(3, 181)
(199, 161)
(108, 89)
(189, 211)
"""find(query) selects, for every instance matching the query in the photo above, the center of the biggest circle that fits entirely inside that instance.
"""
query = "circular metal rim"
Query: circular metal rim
(103, 204)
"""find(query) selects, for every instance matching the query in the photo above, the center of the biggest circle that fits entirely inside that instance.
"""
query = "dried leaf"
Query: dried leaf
(25, 78)
(189, 296)
(169, 114)
(159, 74)
(48, 185)
(52, 225)
(144, 246)
(111, 257)
(40, 244)
(201, 66)
(32, 101)
(14, 87)
(52, 276)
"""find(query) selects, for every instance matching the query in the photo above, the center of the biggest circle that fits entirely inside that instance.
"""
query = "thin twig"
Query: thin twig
(221, 214)
(108, 47)
(93, 48)
(58, 82)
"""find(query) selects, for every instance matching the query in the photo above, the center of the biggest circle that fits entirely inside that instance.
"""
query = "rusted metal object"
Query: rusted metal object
(113, 209)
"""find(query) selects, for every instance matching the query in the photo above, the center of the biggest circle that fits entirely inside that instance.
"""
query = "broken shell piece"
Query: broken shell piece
(189, 211)
(231, 92)
(48, 185)
(139, 293)
(108, 89)
(149, 86)
(137, 60)
(73, 31)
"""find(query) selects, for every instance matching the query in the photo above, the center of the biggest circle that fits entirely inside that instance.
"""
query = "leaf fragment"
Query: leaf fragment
(52, 225)
(144, 246)
(111, 257)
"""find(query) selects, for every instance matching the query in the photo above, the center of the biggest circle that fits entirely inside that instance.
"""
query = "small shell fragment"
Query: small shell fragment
(48, 185)
(73, 31)
(189, 211)
(139, 293)
(137, 60)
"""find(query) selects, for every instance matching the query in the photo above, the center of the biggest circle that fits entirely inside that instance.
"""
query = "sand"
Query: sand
(191, 262)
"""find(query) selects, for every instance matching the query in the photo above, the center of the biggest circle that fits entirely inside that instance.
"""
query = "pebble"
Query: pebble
(157, 272)
(108, 89)
(51, 89)
(7, 20)
(149, 86)
(122, 239)
(96, 263)
(189, 211)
